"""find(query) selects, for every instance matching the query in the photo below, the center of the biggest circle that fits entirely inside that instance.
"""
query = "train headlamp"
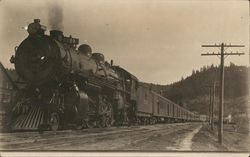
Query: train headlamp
(36, 27)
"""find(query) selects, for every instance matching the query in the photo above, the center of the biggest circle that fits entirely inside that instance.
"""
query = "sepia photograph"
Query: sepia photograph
(125, 76)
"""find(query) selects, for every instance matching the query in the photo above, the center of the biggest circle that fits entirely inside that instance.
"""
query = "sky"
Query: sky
(158, 41)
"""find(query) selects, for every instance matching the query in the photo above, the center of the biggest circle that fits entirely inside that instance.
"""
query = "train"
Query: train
(67, 86)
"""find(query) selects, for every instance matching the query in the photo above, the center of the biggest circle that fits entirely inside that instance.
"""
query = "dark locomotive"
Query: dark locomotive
(67, 87)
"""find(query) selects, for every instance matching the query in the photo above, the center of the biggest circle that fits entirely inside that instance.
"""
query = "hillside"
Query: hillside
(193, 93)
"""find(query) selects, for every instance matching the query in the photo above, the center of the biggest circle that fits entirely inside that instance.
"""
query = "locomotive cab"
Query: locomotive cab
(131, 82)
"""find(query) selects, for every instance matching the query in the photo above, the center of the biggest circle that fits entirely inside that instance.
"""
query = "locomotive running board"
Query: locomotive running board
(30, 121)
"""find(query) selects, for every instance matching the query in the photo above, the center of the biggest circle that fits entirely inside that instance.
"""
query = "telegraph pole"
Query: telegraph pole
(210, 109)
(210, 104)
(213, 102)
(221, 98)
(212, 88)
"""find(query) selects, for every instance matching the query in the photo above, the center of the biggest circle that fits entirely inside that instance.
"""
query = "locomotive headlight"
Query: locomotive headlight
(36, 27)
(33, 28)
(42, 58)
(25, 27)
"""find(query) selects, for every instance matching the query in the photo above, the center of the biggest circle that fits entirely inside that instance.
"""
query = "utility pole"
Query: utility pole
(212, 88)
(213, 102)
(210, 103)
(210, 108)
(221, 98)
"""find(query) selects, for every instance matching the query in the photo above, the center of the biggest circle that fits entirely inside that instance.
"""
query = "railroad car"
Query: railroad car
(153, 107)
(164, 109)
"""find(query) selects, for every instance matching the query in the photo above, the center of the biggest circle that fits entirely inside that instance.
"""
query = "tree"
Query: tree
(193, 72)
(182, 79)
(232, 64)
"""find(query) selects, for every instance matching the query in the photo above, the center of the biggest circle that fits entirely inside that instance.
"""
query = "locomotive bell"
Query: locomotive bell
(98, 57)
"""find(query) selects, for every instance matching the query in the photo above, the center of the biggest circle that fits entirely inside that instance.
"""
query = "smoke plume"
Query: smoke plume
(55, 17)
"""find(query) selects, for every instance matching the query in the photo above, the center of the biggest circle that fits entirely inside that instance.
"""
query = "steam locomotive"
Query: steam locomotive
(66, 86)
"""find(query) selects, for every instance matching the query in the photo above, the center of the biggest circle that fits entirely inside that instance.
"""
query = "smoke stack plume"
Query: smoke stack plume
(55, 17)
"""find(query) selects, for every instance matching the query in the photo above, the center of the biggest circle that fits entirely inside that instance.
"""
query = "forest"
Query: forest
(193, 92)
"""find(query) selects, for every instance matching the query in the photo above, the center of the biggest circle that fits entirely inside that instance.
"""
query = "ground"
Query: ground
(233, 141)
(160, 137)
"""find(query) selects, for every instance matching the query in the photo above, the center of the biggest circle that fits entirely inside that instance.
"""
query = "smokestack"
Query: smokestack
(55, 34)
(55, 17)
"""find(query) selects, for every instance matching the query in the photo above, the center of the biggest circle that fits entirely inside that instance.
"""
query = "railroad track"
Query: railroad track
(114, 138)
